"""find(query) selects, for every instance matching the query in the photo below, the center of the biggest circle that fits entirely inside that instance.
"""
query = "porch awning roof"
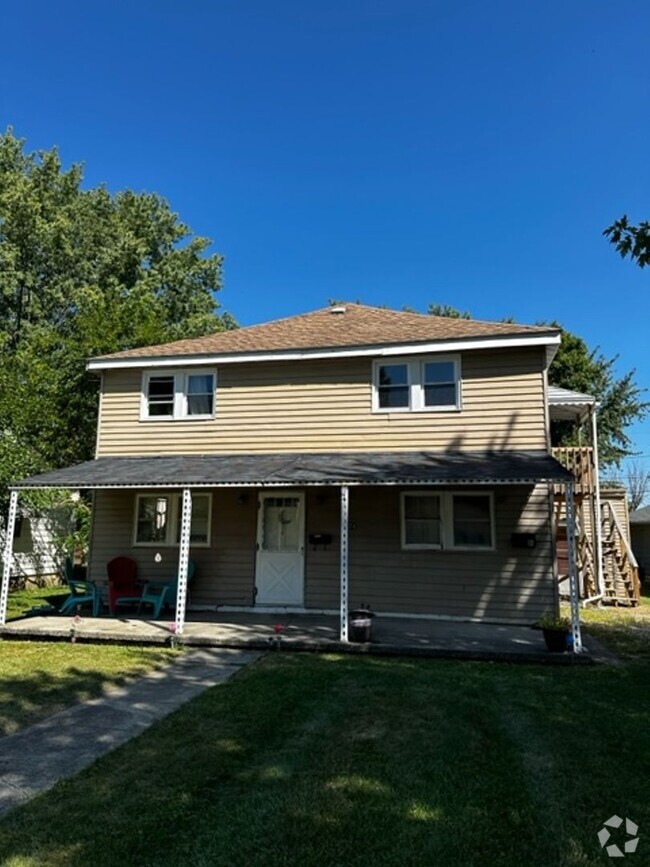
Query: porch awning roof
(565, 405)
(275, 470)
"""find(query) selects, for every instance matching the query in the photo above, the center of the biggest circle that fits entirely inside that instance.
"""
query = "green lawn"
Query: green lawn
(624, 630)
(22, 601)
(39, 678)
(337, 760)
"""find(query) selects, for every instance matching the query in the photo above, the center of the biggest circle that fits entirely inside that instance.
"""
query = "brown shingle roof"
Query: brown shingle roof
(358, 326)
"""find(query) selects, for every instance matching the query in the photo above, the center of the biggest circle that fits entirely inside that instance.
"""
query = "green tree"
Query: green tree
(448, 311)
(83, 272)
(629, 240)
(578, 368)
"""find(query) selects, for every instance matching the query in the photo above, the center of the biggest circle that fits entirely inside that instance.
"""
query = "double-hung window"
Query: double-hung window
(158, 519)
(393, 388)
(472, 520)
(421, 520)
(417, 384)
(179, 394)
(447, 520)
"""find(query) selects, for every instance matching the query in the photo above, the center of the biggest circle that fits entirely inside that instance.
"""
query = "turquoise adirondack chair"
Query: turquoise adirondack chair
(172, 587)
(153, 594)
(82, 592)
(157, 594)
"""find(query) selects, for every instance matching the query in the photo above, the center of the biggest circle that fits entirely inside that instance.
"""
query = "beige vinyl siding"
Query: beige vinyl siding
(507, 584)
(325, 405)
(225, 570)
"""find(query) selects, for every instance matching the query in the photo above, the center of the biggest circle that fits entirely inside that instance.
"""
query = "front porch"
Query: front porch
(309, 632)
(475, 542)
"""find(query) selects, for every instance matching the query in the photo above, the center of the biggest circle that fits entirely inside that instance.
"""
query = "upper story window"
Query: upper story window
(178, 394)
(417, 384)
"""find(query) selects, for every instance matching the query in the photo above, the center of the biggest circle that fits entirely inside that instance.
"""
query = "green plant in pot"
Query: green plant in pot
(556, 631)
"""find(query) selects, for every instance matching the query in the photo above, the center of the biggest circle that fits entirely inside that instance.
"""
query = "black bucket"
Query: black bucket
(360, 625)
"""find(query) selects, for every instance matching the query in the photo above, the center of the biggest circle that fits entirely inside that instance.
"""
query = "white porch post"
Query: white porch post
(183, 560)
(8, 556)
(573, 578)
(345, 518)
(598, 527)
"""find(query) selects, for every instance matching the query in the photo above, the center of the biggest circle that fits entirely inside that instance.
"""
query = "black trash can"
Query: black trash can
(360, 625)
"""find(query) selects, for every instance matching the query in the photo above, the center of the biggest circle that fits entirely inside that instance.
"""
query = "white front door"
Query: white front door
(280, 568)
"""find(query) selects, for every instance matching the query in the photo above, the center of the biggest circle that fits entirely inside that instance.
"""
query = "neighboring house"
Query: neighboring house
(352, 455)
(640, 529)
(37, 558)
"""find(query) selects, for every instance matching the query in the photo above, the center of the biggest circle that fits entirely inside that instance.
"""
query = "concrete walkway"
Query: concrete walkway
(34, 759)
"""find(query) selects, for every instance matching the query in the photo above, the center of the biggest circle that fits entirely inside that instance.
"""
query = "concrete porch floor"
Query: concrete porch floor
(313, 632)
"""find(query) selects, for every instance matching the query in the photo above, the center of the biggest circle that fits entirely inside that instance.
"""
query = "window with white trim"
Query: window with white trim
(456, 521)
(157, 520)
(179, 394)
(417, 384)
(393, 386)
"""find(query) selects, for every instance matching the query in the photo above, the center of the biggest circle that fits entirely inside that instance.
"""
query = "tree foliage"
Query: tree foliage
(83, 272)
(629, 240)
(578, 368)
(448, 311)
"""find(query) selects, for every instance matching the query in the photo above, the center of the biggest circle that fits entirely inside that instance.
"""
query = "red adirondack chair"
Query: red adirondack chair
(122, 577)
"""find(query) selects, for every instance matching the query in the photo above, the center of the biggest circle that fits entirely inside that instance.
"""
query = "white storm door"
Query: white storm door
(280, 567)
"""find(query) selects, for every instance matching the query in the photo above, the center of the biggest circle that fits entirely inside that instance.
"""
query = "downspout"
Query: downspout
(573, 578)
(597, 515)
(598, 522)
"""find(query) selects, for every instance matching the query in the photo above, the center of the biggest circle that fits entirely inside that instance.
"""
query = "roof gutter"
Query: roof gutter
(550, 340)
(284, 483)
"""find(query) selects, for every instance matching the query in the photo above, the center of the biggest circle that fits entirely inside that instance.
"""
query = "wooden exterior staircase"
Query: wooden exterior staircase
(620, 569)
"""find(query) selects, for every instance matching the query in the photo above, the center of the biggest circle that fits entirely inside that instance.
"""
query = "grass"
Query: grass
(338, 760)
(40, 678)
(624, 630)
(22, 601)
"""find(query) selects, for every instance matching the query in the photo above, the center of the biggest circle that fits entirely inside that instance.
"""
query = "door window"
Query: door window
(280, 526)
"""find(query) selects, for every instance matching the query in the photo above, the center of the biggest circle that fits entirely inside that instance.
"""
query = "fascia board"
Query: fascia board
(440, 346)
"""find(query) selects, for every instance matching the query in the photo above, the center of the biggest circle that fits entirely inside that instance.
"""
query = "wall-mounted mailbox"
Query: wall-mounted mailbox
(523, 540)
(320, 538)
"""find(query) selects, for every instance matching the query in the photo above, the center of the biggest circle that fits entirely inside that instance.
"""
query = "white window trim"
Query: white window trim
(447, 522)
(180, 395)
(415, 378)
(175, 505)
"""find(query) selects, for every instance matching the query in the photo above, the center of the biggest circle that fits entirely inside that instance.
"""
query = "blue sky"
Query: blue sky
(391, 151)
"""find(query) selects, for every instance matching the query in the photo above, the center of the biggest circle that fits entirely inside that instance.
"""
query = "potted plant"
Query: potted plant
(556, 631)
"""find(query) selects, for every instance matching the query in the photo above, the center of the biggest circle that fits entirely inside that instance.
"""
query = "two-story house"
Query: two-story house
(351, 455)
